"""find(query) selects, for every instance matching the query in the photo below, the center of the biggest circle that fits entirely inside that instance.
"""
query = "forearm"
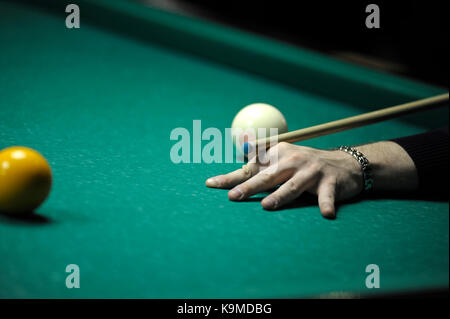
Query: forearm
(393, 169)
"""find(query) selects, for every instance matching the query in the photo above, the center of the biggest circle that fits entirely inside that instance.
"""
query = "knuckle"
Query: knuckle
(282, 146)
(244, 189)
(296, 157)
(276, 201)
(325, 198)
(332, 181)
(265, 177)
(225, 180)
(246, 172)
(316, 166)
(293, 187)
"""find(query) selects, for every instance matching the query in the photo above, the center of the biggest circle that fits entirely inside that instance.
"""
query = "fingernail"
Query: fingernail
(329, 212)
(271, 203)
(235, 193)
(330, 216)
(212, 182)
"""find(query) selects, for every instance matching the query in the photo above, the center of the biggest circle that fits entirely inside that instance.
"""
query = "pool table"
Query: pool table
(100, 102)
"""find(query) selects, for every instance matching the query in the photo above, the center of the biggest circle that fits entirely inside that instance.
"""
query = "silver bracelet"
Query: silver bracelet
(365, 166)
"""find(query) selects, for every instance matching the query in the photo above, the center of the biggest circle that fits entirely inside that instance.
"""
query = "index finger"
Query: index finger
(234, 178)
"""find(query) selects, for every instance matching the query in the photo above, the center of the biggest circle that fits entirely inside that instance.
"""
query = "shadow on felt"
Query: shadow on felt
(305, 200)
(28, 218)
(309, 200)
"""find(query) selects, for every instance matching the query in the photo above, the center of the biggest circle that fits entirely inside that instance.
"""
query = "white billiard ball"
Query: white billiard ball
(253, 117)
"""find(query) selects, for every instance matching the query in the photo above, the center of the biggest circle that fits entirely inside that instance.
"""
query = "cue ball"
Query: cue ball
(254, 116)
(25, 180)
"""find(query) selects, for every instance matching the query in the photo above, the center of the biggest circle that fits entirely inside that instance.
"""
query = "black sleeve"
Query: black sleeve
(429, 151)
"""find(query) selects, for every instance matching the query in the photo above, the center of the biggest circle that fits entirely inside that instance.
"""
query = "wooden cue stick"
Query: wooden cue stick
(355, 121)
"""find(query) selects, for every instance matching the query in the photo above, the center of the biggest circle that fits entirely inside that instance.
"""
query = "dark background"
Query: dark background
(412, 40)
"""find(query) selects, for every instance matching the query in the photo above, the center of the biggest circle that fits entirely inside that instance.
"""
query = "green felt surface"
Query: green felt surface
(100, 105)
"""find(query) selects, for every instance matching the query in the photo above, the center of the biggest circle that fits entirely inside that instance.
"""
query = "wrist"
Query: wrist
(364, 166)
(393, 169)
(352, 174)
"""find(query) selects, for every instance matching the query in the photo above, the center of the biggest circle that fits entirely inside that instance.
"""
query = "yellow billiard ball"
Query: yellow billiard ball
(25, 180)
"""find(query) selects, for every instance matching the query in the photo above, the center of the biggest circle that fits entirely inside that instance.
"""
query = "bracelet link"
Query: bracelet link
(365, 166)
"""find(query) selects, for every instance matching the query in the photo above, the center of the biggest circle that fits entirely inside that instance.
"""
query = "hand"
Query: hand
(331, 175)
